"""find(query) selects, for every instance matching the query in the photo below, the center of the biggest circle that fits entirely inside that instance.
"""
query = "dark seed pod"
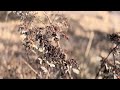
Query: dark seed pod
(44, 37)
(41, 42)
(62, 56)
(115, 38)
(45, 46)
(48, 48)
(73, 63)
(38, 37)
(56, 39)
(47, 55)
(41, 28)
(37, 61)
(54, 34)
(27, 33)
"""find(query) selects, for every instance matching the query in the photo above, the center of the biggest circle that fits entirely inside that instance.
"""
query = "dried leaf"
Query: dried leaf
(76, 71)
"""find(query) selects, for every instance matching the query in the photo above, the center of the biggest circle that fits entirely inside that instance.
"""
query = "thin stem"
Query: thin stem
(47, 17)
(30, 65)
(89, 44)
(54, 17)
(105, 59)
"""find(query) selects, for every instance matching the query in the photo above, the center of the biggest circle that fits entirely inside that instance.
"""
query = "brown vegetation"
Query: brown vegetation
(81, 40)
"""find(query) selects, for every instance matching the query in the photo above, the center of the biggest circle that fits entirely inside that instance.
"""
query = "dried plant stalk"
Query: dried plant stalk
(42, 43)
(110, 69)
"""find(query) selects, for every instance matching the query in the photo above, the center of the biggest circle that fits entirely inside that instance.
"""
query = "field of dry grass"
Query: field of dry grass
(84, 26)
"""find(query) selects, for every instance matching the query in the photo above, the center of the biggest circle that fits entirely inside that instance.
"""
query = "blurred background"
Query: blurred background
(87, 33)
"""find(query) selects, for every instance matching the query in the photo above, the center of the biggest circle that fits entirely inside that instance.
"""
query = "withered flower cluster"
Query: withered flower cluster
(110, 68)
(43, 43)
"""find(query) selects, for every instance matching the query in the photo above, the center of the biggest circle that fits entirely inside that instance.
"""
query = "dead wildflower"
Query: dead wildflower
(50, 60)
(110, 69)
